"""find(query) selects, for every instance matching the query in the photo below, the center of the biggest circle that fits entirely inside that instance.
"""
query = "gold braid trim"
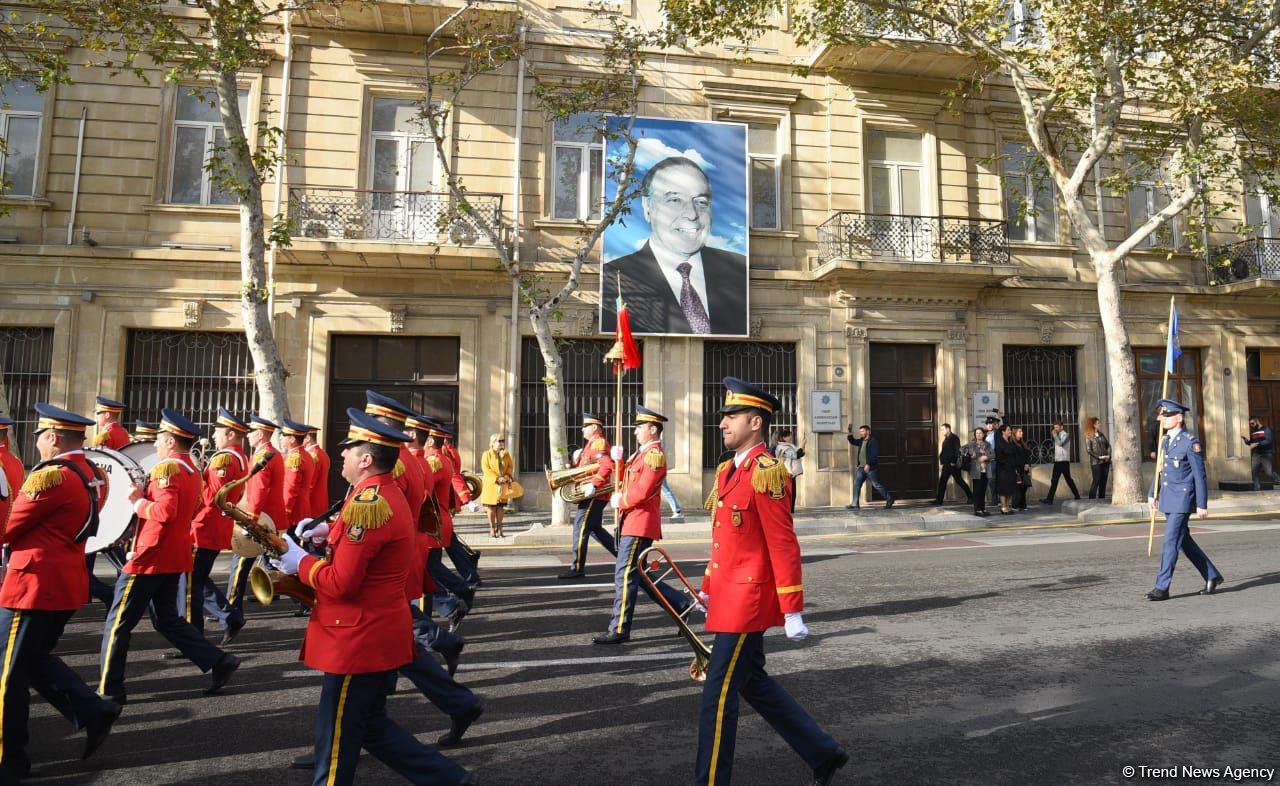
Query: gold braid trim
(770, 476)
(434, 463)
(399, 470)
(655, 459)
(41, 481)
(293, 460)
(221, 460)
(714, 496)
(598, 444)
(367, 510)
(165, 469)
(260, 455)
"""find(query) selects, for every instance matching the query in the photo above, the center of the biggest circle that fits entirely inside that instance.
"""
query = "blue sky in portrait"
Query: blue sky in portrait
(719, 148)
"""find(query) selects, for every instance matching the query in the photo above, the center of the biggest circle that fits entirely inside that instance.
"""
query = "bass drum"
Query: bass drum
(144, 453)
(116, 520)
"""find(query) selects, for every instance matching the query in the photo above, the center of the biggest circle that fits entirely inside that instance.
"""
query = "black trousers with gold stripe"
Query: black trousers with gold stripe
(737, 667)
(627, 582)
(27, 639)
(353, 715)
(588, 521)
(155, 594)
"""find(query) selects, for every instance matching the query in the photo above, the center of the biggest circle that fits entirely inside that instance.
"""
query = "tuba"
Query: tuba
(654, 557)
(266, 584)
(569, 482)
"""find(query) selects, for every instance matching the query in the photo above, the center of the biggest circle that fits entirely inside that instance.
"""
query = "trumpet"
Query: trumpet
(569, 482)
(654, 557)
(265, 584)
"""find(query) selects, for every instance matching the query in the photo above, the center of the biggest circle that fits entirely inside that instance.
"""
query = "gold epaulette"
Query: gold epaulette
(598, 444)
(770, 476)
(399, 470)
(260, 455)
(656, 459)
(165, 470)
(41, 481)
(221, 460)
(366, 510)
(99, 439)
(435, 463)
(714, 496)
(293, 460)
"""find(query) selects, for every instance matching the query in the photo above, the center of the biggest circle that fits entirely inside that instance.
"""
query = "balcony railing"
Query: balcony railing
(391, 216)
(1255, 258)
(849, 235)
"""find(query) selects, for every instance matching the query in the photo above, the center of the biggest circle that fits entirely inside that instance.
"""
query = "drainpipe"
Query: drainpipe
(513, 358)
(280, 147)
(75, 184)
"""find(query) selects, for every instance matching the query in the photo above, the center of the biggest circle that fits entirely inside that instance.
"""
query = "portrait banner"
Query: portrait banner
(680, 254)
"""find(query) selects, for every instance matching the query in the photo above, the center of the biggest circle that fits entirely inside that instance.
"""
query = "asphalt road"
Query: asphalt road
(994, 657)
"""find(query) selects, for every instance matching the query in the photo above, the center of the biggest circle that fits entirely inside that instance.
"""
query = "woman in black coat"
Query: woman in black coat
(1008, 462)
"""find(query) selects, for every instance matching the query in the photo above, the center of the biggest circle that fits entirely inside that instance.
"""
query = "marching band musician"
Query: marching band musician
(458, 595)
(407, 472)
(320, 488)
(299, 473)
(752, 583)
(263, 494)
(211, 528)
(360, 631)
(589, 519)
(465, 559)
(144, 431)
(44, 587)
(11, 468)
(110, 433)
(162, 553)
(639, 504)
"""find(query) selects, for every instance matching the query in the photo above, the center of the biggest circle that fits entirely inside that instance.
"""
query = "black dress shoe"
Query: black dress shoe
(852, 507)
(98, 730)
(302, 611)
(1211, 586)
(306, 761)
(571, 574)
(451, 658)
(1158, 594)
(231, 633)
(1047, 501)
(222, 672)
(458, 726)
(823, 775)
(888, 504)
(171, 655)
(612, 637)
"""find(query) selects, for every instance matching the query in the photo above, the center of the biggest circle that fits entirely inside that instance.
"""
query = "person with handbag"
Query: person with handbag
(499, 483)
(1099, 450)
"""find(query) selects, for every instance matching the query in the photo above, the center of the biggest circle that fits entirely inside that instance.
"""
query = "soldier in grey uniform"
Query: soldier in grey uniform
(1183, 487)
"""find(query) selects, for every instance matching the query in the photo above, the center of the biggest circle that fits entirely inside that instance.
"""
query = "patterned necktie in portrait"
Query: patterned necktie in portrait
(690, 303)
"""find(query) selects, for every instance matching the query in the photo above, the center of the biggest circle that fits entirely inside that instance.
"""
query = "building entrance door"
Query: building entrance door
(1264, 389)
(904, 400)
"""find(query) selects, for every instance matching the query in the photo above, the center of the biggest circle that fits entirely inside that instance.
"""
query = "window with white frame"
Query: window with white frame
(896, 163)
(1261, 210)
(1025, 25)
(197, 133)
(21, 115)
(1030, 211)
(1148, 196)
(402, 155)
(577, 167)
(766, 174)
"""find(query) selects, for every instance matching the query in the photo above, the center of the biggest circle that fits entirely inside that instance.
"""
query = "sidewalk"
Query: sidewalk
(532, 529)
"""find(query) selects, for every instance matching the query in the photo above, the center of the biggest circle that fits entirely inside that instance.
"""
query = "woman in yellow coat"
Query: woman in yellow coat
(499, 483)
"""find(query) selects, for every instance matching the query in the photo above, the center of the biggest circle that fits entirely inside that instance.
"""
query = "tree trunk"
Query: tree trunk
(554, 380)
(1126, 431)
(268, 370)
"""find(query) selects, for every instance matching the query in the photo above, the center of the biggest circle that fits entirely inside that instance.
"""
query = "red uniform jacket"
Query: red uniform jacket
(264, 492)
(299, 474)
(408, 476)
(11, 465)
(597, 450)
(442, 471)
(163, 540)
(211, 528)
(46, 565)
(460, 493)
(641, 507)
(320, 487)
(429, 485)
(360, 622)
(115, 437)
(753, 577)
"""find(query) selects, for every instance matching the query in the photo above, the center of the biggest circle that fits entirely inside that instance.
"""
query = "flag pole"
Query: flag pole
(1164, 393)
(617, 355)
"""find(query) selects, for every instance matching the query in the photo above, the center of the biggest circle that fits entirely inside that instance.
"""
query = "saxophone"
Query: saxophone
(265, 584)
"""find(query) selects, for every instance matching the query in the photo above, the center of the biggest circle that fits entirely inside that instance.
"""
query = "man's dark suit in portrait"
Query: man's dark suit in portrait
(675, 283)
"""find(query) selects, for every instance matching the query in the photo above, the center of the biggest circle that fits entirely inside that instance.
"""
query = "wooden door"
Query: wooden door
(904, 417)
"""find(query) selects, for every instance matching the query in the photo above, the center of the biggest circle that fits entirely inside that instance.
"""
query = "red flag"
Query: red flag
(630, 353)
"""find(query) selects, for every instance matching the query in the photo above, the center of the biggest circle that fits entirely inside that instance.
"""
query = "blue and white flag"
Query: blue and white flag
(1174, 350)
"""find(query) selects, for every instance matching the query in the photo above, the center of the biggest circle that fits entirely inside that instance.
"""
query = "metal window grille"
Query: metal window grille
(589, 386)
(1040, 387)
(26, 360)
(771, 366)
(189, 371)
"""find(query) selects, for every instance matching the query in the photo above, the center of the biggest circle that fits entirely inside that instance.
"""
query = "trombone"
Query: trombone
(653, 558)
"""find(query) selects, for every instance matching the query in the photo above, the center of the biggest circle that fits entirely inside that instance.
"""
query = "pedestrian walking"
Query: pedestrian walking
(1099, 450)
(792, 457)
(949, 465)
(978, 454)
(1061, 462)
(866, 463)
(1262, 448)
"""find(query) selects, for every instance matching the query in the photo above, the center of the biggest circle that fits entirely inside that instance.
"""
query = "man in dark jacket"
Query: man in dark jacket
(1262, 448)
(866, 463)
(949, 465)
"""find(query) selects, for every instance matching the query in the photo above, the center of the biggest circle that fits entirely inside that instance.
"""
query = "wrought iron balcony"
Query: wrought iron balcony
(391, 216)
(849, 235)
(1258, 257)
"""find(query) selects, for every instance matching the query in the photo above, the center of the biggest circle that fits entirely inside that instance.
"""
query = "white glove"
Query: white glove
(588, 490)
(616, 453)
(318, 533)
(473, 506)
(703, 602)
(303, 526)
(795, 627)
(576, 454)
(615, 500)
(288, 562)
